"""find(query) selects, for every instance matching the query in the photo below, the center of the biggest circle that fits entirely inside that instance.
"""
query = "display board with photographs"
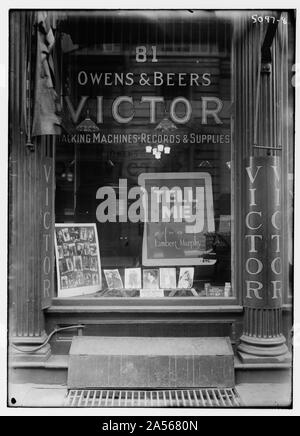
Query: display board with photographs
(77, 259)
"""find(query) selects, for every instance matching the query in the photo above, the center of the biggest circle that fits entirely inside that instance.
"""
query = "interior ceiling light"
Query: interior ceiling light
(166, 125)
(205, 164)
(87, 125)
(67, 174)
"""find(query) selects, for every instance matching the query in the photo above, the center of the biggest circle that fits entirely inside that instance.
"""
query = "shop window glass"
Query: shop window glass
(146, 150)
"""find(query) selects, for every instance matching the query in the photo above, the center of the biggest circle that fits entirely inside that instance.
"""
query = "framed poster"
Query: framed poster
(179, 214)
(77, 259)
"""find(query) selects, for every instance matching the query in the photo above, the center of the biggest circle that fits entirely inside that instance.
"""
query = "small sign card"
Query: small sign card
(152, 293)
(215, 291)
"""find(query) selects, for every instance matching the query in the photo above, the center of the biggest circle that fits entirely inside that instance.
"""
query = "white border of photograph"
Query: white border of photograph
(182, 271)
(162, 276)
(80, 290)
(138, 271)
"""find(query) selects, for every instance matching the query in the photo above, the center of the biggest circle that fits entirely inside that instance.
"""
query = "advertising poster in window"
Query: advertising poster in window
(77, 259)
(178, 215)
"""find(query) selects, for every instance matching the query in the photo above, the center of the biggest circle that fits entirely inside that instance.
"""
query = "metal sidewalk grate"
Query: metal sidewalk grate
(160, 398)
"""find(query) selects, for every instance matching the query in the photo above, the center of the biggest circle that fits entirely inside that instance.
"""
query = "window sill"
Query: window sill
(143, 305)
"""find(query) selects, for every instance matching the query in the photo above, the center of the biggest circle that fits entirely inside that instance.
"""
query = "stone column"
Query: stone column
(26, 206)
(262, 340)
(26, 260)
(260, 92)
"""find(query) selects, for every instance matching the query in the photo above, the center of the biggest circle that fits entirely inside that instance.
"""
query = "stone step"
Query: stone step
(150, 362)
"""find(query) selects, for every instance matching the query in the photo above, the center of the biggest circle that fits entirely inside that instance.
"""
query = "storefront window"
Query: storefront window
(146, 153)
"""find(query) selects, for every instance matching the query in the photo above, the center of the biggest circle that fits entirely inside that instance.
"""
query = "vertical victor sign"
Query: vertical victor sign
(262, 263)
(47, 232)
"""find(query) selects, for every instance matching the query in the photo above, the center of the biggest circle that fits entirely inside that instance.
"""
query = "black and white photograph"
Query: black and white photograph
(87, 277)
(70, 263)
(64, 281)
(72, 249)
(85, 262)
(113, 279)
(60, 252)
(80, 278)
(74, 233)
(91, 235)
(93, 263)
(83, 233)
(186, 276)
(133, 278)
(63, 267)
(59, 236)
(95, 279)
(77, 263)
(66, 251)
(92, 249)
(66, 234)
(151, 278)
(167, 278)
(79, 248)
(151, 193)
(86, 248)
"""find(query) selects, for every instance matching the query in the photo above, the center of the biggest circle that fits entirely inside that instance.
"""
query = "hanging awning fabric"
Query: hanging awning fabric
(46, 120)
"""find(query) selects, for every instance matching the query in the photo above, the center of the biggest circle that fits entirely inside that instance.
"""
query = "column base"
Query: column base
(250, 358)
(263, 350)
(25, 348)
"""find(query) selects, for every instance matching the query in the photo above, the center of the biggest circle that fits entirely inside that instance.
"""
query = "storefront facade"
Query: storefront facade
(170, 136)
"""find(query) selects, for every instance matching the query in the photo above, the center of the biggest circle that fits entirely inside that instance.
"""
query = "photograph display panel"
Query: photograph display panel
(77, 259)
